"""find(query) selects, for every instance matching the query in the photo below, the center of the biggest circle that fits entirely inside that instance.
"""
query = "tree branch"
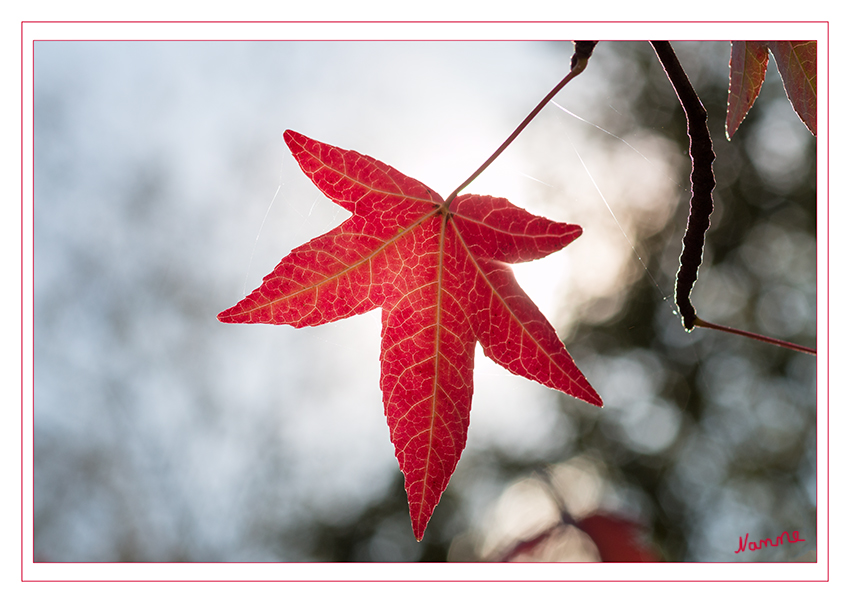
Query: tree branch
(702, 204)
(702, 181)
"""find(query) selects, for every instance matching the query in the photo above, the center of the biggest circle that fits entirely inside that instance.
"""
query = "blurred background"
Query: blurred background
(164, 193)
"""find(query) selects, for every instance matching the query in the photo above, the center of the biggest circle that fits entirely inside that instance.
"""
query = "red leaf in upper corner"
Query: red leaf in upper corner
(797, 63)
(747, 67)
(798, 66)
(617, 539)
(439, 273)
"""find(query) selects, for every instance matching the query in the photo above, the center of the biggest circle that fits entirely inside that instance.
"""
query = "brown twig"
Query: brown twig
(702, 181)
(702, 204)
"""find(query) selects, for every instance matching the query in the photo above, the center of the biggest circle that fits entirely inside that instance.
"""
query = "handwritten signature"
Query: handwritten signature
(742, 542)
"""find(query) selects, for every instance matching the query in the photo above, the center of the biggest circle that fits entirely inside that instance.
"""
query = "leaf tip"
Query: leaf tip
(226, 316)
(588, 394)
(418, 528)
(289, 136)
(420, 521)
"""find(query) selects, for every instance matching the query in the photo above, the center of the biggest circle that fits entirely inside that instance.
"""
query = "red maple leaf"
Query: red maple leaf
(618, 539)
(798, 67)
(747, 67)
(797, 63)
(439, 273)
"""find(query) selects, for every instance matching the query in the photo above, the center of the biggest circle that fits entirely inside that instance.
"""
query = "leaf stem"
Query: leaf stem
(583, 50)
(698, 322)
